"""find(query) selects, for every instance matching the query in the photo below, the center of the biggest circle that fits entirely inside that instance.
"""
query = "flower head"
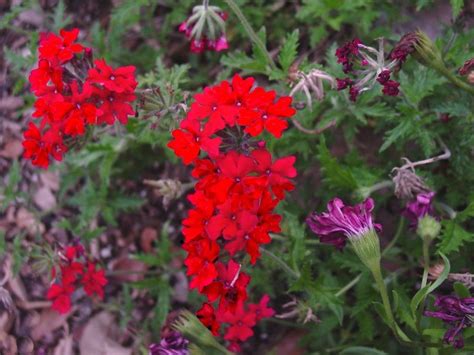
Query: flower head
(350, 221)
(420, 207)
(404, 47)
(368, 66)
(206, 29)
(172, 344)
(313, 81)
(458, 313)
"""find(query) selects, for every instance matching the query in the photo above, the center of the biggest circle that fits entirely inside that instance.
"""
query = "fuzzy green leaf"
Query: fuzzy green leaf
(289, 50)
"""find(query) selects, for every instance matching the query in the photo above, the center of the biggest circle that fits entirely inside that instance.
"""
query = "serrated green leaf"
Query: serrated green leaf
(337, 175)
(289, 50)
(453, 236)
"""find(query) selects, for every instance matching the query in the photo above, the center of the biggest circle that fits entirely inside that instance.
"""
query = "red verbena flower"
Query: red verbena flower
(62, 48)
(94, 281)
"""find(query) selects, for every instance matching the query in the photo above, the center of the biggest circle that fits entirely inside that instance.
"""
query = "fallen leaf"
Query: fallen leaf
(50, 320)
(148, 236)
(44, 198)
(95, 338)
(128, 270)
(26, 220)
(50, 179)
(12, 149)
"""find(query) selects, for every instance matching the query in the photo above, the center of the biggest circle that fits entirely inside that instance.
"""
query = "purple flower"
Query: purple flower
(458, 313)
(422, 206)
(342, 222)
(172, 344)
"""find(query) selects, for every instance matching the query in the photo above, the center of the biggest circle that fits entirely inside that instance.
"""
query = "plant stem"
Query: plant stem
(401, 226)
(455, 80)
(280, 262)
(348, 286)
(426, 261)
(251, 33)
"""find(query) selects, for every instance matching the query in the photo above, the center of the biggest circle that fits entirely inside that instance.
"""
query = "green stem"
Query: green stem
(453, 78)
(251, 33)
(426, 261)
(398, 233)
(348, 286)
(398, 332)
(280, 262)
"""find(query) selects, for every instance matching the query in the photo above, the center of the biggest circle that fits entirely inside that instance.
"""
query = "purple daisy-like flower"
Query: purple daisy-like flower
(420, 207)
(342, 222)
(172, 344)
(458, 313)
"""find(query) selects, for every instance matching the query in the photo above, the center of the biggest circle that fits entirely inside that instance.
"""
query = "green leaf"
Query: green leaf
(289, 50)
(422, 293)
(399, 131)
(456, 6)
(362, 350)
(453, 236)
(461, 290)
(338, 176)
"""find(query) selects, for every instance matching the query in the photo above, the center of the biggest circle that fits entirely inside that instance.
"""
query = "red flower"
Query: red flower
(267, 113)
(39, 147)
(200, 262)
(216, 104)
(120, 80)
(207, 317)
(61, 297)
(196, 224)
(114, 106)
(241, 324)
(189, 140)
(54, 47)
(45, 73)
(261, 309)
(230, 287)
(94, 281)
(278, 173)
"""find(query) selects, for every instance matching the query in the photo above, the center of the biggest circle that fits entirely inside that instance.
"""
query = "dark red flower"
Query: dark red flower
(390, 88)
(207, 317)
(346, 54)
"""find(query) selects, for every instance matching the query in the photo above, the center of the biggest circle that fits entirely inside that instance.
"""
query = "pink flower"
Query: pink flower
(342, 222)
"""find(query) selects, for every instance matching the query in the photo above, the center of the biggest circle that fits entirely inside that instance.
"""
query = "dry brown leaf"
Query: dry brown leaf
(95, 338)
(26, 220)
(148, 236)
(64, 346)
(50, 320)
(12, 149)
(50, 179)
(44, 198)
(128, 270)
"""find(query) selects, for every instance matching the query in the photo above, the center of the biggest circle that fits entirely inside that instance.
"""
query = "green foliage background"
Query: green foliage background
(370, 139)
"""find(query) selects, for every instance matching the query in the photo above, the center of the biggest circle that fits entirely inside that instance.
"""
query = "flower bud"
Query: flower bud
(428, 227)
(367, 248)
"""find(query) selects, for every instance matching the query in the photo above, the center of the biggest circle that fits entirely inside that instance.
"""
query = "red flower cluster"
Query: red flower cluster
(72, 92)
(239, 185)
(71, 273)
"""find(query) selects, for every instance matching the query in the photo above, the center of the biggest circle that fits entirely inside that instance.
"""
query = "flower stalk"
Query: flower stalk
(251, 33)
